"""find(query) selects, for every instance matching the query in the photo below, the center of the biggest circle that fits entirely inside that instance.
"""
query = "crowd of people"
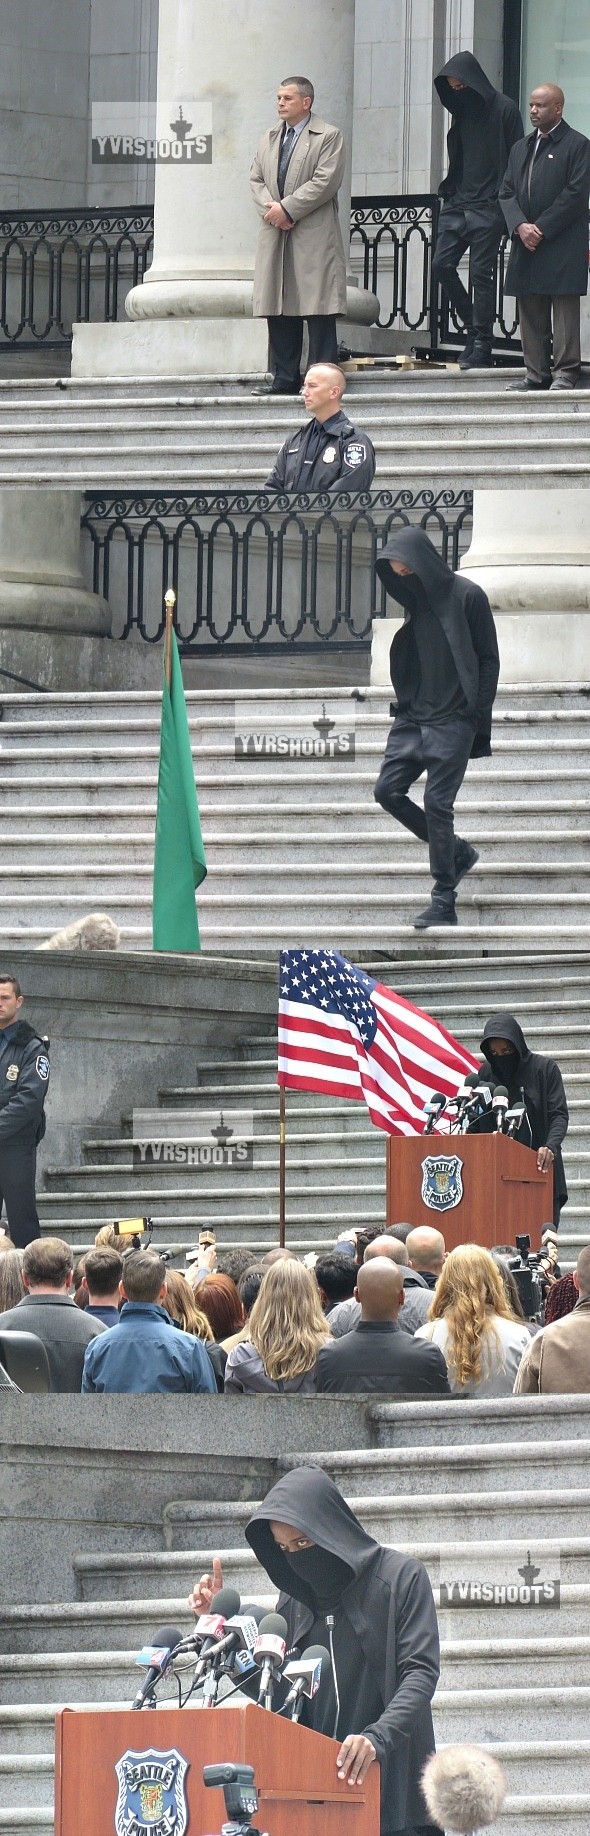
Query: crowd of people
(383, 1310)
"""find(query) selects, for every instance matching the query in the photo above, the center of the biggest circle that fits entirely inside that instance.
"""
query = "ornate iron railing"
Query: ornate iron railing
(62, 267)
(393, 239)
(58, 267)
(258, 570)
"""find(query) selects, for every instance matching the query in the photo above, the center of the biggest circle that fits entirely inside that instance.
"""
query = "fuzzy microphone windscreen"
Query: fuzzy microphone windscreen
(464, 1787)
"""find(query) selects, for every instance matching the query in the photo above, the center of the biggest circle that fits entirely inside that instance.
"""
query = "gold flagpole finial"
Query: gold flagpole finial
(169, 602)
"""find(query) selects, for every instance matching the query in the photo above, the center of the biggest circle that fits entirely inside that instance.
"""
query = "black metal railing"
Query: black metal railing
(257, 570)
(60, 267)
(393, 240)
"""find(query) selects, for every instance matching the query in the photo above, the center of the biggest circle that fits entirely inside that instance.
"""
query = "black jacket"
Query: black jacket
(352, 467)
(22, 1097)
(467, 623)
(501, 123)
(558, 204)
(390, 1608)
(545, 1098)
(62, 1328)
(377, 1355)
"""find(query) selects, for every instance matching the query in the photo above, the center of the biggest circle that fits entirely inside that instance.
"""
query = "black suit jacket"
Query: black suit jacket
(558, 204)
(378, 1356)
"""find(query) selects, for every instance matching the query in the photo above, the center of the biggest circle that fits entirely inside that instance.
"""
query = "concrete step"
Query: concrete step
(26, 1781)
(472, 1514)
(424, 1469)
(367, 1169)
(329, 1149)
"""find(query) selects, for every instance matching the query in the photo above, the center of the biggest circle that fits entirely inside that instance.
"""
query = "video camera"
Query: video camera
(241, 1797)
(531, 1281)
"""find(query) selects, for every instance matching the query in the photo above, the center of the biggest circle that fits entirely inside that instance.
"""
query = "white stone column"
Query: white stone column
(221, 61)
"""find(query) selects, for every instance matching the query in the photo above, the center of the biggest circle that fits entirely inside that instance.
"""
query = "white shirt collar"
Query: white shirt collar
(299, 127)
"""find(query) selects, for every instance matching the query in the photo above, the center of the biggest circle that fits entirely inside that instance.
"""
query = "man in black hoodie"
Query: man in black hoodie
(485, 125)
(539, 1083)
(444, 667)
(374, 1609)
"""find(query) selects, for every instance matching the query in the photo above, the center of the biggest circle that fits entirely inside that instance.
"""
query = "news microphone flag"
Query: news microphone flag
(346, 1035)
(179, 855)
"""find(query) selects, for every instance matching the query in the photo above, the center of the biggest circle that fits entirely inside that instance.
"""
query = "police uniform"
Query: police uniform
(24, 1079)
(331, 455)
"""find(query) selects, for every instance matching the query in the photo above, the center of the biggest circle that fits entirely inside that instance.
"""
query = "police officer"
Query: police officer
(24, 1078)
(329, 453)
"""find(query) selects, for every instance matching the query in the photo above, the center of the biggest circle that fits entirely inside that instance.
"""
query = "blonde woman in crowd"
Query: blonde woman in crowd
(287, 1330)
(180, 1303)
(471, 1319)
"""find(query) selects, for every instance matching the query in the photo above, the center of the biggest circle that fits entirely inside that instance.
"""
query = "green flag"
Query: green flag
(179, 855)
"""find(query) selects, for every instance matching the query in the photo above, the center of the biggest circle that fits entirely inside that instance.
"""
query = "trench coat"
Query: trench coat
(300, 272)
(558, 204)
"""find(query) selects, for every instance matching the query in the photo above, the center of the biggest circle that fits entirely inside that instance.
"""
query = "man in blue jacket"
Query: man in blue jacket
(146, 1352)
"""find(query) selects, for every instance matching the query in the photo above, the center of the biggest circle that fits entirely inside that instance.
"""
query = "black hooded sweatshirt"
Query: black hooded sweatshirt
(462, 612)
(541, 1081)
(385, 1633)
(485, 125)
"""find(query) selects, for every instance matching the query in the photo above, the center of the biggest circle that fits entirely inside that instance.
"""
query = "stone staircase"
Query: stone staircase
(431, 429)
(77, 803)
(335, 1158)
(475, 1490)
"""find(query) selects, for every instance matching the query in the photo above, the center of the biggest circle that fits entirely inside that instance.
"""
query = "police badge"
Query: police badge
(152, 1799)
(11, 1074)
(354, 454)
(442, 1185)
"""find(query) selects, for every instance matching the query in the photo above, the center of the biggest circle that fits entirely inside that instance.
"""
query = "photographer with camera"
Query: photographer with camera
(557, 1361)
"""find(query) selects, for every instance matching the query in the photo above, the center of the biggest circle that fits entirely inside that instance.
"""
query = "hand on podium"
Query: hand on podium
(356, 1755)
(202, 1595)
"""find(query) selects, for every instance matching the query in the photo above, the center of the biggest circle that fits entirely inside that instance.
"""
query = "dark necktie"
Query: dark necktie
(284, 157)
(540, 148)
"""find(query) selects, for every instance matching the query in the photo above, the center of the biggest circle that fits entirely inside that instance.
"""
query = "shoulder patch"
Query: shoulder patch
(42, 1067)
(355, 454)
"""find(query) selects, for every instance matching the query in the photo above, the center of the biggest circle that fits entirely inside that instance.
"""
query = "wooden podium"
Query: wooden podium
(502, 1193)
(295, 1772)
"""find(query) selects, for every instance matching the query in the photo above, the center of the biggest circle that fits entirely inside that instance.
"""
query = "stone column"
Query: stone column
(54, 632)
(220, 62)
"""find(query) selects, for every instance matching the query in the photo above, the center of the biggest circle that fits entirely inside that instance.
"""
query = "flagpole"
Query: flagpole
(169, 602)
(282, 1166)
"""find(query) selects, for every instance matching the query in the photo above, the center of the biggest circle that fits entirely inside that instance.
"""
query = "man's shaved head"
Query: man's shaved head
(582, 1273)
(426, 1249)
(552, 91)
(546, 106)
(380, 1289)
(330, 373)
(390, 1247)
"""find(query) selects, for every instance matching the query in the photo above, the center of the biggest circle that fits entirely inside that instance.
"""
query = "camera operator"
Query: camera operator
(537, 1083)
(556, 1363)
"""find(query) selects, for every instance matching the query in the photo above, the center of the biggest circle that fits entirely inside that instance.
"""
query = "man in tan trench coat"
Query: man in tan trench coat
(300, 270)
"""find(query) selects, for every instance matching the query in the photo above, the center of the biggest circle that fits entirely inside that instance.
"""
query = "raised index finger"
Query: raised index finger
(217, 1575)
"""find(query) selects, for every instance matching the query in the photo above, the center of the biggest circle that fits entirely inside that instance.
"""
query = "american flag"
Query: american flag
(344, 1034)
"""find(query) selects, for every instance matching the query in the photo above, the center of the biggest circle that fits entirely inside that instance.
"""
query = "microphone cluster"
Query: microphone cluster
(241, 1646)
(476, 1098)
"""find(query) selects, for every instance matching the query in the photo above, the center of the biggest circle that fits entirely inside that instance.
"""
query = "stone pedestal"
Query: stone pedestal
(221, 65)
(54, 633)
(530, 551)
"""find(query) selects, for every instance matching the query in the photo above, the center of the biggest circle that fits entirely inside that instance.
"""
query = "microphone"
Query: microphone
(464, 1787)
(481, 1102)
(158, 1656)
(513, 1118)
(307, 1675)
(433, 1109)
(269, 1651)
(499, 1106)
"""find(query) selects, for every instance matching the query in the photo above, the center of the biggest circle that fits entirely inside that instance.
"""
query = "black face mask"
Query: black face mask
(324, 1573)
(504, 1065)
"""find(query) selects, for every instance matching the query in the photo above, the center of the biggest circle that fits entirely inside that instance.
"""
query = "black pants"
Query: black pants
(18, 1162)
(443, 752)
(483, 243)
(286, 344)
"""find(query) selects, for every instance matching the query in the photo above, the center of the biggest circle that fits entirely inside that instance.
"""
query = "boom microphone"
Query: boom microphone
(269, 1651)
(165, 1641)
(464, 1787)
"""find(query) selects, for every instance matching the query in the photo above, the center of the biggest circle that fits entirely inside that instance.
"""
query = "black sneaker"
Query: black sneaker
(465, 859)
(467, 352)
(440, 911)
(480, 357)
